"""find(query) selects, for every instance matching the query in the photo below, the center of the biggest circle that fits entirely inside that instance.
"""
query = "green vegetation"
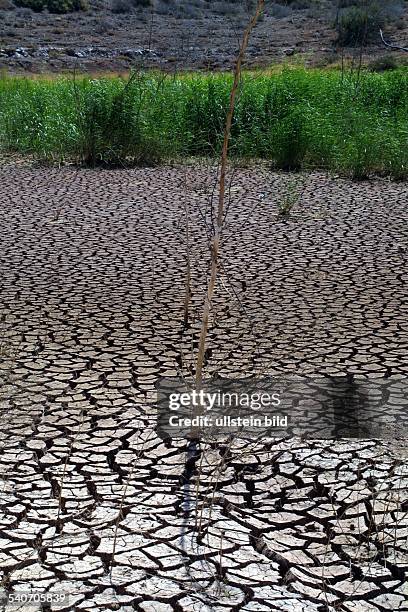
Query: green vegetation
(296, 119)
(357, 25)
(54, 6)
(127, 6)
(359, 21)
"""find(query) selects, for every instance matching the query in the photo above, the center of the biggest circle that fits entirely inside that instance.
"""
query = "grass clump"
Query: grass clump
(289, 142)
(110, 126)
(295, 119)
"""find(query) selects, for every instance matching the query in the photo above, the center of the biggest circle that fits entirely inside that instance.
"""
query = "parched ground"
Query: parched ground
(92, 285)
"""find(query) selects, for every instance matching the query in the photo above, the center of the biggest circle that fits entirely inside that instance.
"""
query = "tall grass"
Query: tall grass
(295, 119)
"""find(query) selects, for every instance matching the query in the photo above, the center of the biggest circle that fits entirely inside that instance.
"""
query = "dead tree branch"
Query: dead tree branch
(391, 45)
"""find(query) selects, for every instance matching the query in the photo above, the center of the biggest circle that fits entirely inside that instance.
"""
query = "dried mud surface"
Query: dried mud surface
(92, 502)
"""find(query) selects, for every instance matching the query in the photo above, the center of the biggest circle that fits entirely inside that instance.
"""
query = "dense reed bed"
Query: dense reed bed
(354, 124)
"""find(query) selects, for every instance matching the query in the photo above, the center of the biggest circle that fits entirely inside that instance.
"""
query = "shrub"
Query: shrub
(120, 7)
(104, 26)
(346, 3)
(300, 5)
(126, 6)
(383, 63)
(297, 4)
(357, 25)
(35, 5)
(67, 6)
(54, 6)
(279, 11)
(190, 12)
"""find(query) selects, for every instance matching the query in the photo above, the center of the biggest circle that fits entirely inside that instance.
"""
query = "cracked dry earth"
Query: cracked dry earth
(93, 503)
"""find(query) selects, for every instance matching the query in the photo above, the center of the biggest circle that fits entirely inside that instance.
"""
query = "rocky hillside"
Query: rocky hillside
(113, 35)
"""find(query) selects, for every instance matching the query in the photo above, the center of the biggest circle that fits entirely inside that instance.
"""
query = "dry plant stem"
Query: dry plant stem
(217, 231)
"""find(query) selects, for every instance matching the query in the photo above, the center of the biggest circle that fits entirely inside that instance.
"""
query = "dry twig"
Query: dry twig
(220, 218)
